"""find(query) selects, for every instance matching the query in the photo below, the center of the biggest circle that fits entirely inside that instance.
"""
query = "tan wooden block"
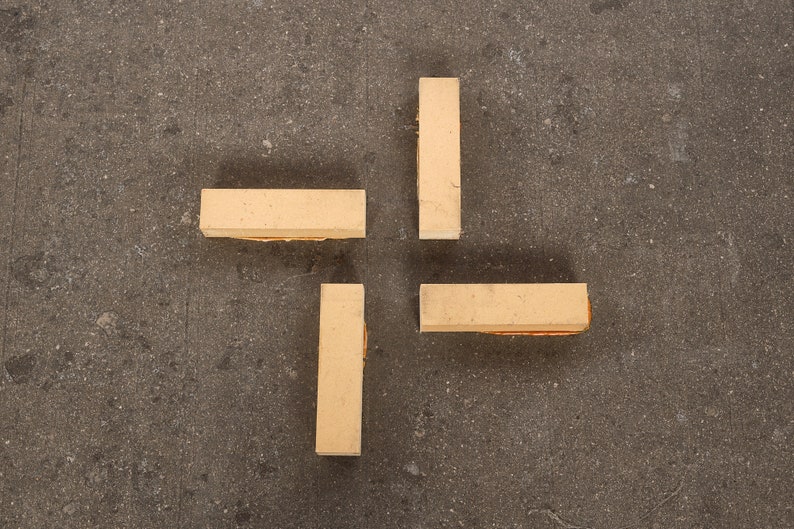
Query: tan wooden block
(340, 375)
(278, 214)
(438, 158)
(539, 308)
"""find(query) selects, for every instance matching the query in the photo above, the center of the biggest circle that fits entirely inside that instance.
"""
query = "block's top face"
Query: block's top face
(438, 158)
(518, 307)
(283, 213)
(340, 370)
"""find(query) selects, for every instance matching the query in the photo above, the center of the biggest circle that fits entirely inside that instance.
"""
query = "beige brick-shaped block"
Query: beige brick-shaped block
(518, 308)
(438, 158)
(340, 373)
(266, 214)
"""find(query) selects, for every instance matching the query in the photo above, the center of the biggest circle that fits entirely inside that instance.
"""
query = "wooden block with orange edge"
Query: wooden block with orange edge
(340, 374)
(517, 308)
(438, 158)
(283, 214)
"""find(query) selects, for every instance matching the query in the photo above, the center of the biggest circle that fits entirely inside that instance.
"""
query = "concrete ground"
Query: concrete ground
(150, 377)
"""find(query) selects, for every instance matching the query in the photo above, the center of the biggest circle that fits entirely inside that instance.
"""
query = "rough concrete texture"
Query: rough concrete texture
(153, 378)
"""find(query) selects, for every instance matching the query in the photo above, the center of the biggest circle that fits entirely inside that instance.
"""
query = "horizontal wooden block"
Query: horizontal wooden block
(340, 375)
(267, 214)
(539, 308)
(438, 158)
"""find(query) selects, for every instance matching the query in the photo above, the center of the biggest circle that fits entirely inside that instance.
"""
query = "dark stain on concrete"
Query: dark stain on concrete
(15, 24)
(32, 270)
(242, 517)
(225, 363)
(20, 368)
(600, 6)
(173, 129)
(5, 102)
(344, 269)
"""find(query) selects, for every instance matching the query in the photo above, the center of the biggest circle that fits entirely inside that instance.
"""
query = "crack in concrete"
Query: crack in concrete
(12, 229)
(552, 515)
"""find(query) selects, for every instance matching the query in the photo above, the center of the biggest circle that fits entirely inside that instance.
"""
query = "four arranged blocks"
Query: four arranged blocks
(316, 214)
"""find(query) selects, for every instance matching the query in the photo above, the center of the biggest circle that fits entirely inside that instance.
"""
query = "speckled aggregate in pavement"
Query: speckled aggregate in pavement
(153, 378)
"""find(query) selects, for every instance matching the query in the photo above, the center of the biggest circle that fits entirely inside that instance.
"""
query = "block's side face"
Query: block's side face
(283, 213)
(341, 370)
(516, 308)
(438, 158)
(434, 235)
(211, 211)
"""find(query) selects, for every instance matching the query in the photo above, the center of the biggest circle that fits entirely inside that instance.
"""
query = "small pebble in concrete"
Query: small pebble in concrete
(108, 322)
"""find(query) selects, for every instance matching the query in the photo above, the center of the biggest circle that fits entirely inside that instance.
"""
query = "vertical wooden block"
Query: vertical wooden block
(438, 158)
(340, 374)
(539, 308)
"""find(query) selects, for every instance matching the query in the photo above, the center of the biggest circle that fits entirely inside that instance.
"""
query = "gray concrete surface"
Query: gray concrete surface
(152, 378)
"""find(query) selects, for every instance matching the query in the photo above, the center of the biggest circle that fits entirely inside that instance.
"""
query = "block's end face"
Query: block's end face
(339, 454)
(589, 312)
(440, 220)
(439, 80)
(325, 446)
(440, 235)
(203, 224)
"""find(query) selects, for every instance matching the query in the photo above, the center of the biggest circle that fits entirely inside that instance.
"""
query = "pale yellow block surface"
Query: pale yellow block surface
(438, 158)
(283, 213)
(508, 308)
(341, 370)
